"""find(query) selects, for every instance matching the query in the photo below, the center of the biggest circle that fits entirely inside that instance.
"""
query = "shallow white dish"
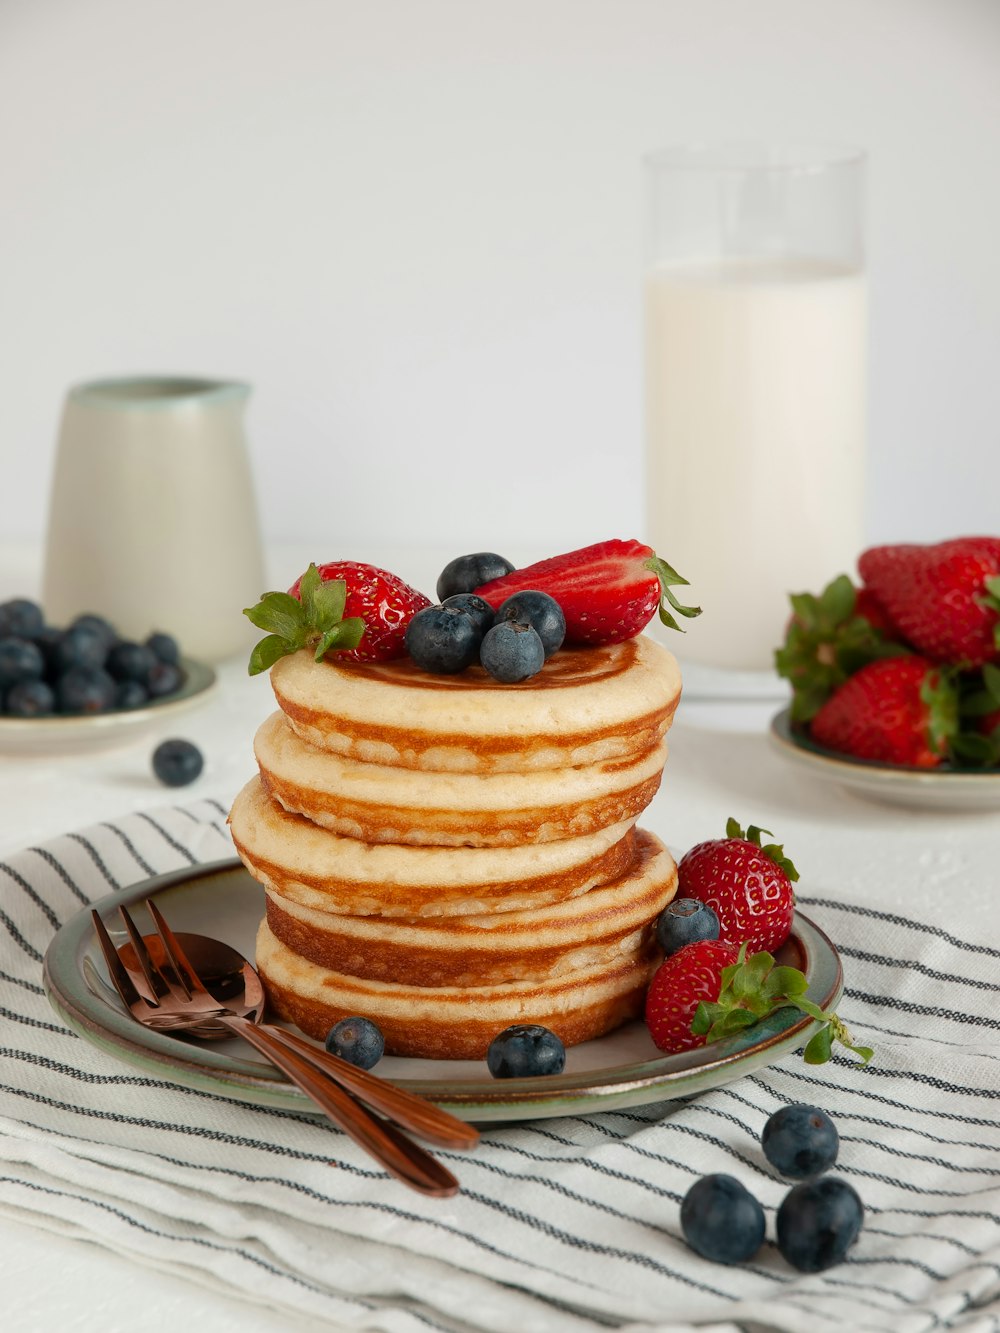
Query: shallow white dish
(619, 1070)
(928, 789)
(72, 734)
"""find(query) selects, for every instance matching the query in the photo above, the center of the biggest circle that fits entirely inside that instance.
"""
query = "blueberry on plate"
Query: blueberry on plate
(30, 698)
(131, 694)
(466, 573)
(177, 762)
(164, 648)
(722, 1220)
(163, 679)
(131, 661)
(100, 626)
(79, 646)
(356, 1040)
(511, 652)
(443, 639)
(818, 1222)
(85, 690)
(20, 659)
(537, 609)
(21, 617)
(800, 1141)
(685, 921)
(476, 607)
(525, 1050)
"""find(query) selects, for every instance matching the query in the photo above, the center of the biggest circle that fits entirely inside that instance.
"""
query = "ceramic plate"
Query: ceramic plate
(622, 1069)
(939, 788)
(64, 735)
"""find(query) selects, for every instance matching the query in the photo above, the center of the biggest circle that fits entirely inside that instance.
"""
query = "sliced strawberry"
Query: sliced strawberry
(747, 885)
(943, 598)
(358, 611)
(608, 592)
(903, 710)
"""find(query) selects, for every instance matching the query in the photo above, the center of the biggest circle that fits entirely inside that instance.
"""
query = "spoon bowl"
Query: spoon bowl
(223, 970)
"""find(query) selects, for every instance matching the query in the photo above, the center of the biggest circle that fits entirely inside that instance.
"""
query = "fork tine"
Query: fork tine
(178, 958)
(156, 981)
(120, 978)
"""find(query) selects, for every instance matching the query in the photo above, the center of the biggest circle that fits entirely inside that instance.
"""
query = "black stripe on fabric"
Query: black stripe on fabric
(24, 985)
(894, 919)
(131, 848)
(28, 890)
(869, 1095)
(915, 1076)
(911, 965)
(894, 1003)
(61, 871)
(96, 857)
(123, 1216)
(14, 1017)
(949, 1043)
(211, 800)
(16, 935)
(168, 837)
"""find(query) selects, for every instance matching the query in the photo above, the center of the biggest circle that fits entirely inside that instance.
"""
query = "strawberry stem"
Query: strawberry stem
(312, 620)
(668, 579)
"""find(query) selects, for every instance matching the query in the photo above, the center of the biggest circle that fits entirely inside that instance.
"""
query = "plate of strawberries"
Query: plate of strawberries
(895, 676)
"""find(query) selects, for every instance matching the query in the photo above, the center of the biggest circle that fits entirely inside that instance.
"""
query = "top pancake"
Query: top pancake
(586, 706)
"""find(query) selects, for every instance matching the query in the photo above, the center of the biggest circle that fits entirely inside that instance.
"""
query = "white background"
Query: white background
(416, 227)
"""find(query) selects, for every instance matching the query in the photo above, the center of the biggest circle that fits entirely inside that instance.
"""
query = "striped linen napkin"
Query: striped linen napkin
(562, 1225)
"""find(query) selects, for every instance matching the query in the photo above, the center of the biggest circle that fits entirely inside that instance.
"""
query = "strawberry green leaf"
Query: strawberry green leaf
(267, 652)
(347, 634)
(785, 981)
(819, 1047)
(327, 603)
(669, 579)
(277, 613)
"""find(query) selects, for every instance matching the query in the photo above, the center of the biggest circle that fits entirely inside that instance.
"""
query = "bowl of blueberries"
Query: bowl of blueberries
(64, 687)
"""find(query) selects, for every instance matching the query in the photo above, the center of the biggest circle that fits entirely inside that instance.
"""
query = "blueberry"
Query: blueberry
(442, 639)
(131, 661)
(722, 1220)
(480, 611)
(20, 659)
(163, 679)
(31, 698)
(21, 617)
(537, 609)
(466, 573)
(85, 690)
(525, 1050)
(131, 694)
(177, 762)
(511, 652)
(356, 1040)
(80, 646)
(99, 625)
(800, 1141)
(818, 1222)
(685, 921)
(164, 648)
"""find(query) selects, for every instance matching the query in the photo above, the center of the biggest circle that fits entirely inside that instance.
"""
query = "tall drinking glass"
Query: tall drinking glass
(755, 333)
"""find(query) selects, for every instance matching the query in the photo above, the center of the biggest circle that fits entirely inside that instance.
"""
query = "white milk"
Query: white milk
(755, 411)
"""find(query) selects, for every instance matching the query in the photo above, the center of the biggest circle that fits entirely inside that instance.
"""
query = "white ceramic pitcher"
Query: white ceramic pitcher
(153, 520)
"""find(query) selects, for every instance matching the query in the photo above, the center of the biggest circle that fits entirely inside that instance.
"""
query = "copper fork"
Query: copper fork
(174, 999)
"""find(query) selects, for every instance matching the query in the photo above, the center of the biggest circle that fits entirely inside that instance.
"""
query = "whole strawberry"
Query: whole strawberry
(902, 710)
(608, 592)
(356, 610)
(681, 983)
(944, 599)
(748, 886)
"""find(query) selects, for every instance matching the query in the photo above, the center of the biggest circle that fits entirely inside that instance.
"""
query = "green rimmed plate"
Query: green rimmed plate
(620, 1070)
(61, 734)
(943, 788)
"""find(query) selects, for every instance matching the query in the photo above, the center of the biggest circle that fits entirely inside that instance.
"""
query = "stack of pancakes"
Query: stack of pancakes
(447, 856)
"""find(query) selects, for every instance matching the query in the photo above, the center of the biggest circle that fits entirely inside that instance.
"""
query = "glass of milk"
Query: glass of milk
(755, 320)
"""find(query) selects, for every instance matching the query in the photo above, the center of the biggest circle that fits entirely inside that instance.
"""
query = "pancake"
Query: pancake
(315, 868)
(380, 804)
(454, 1022)
(612, 922)
(586, 706)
